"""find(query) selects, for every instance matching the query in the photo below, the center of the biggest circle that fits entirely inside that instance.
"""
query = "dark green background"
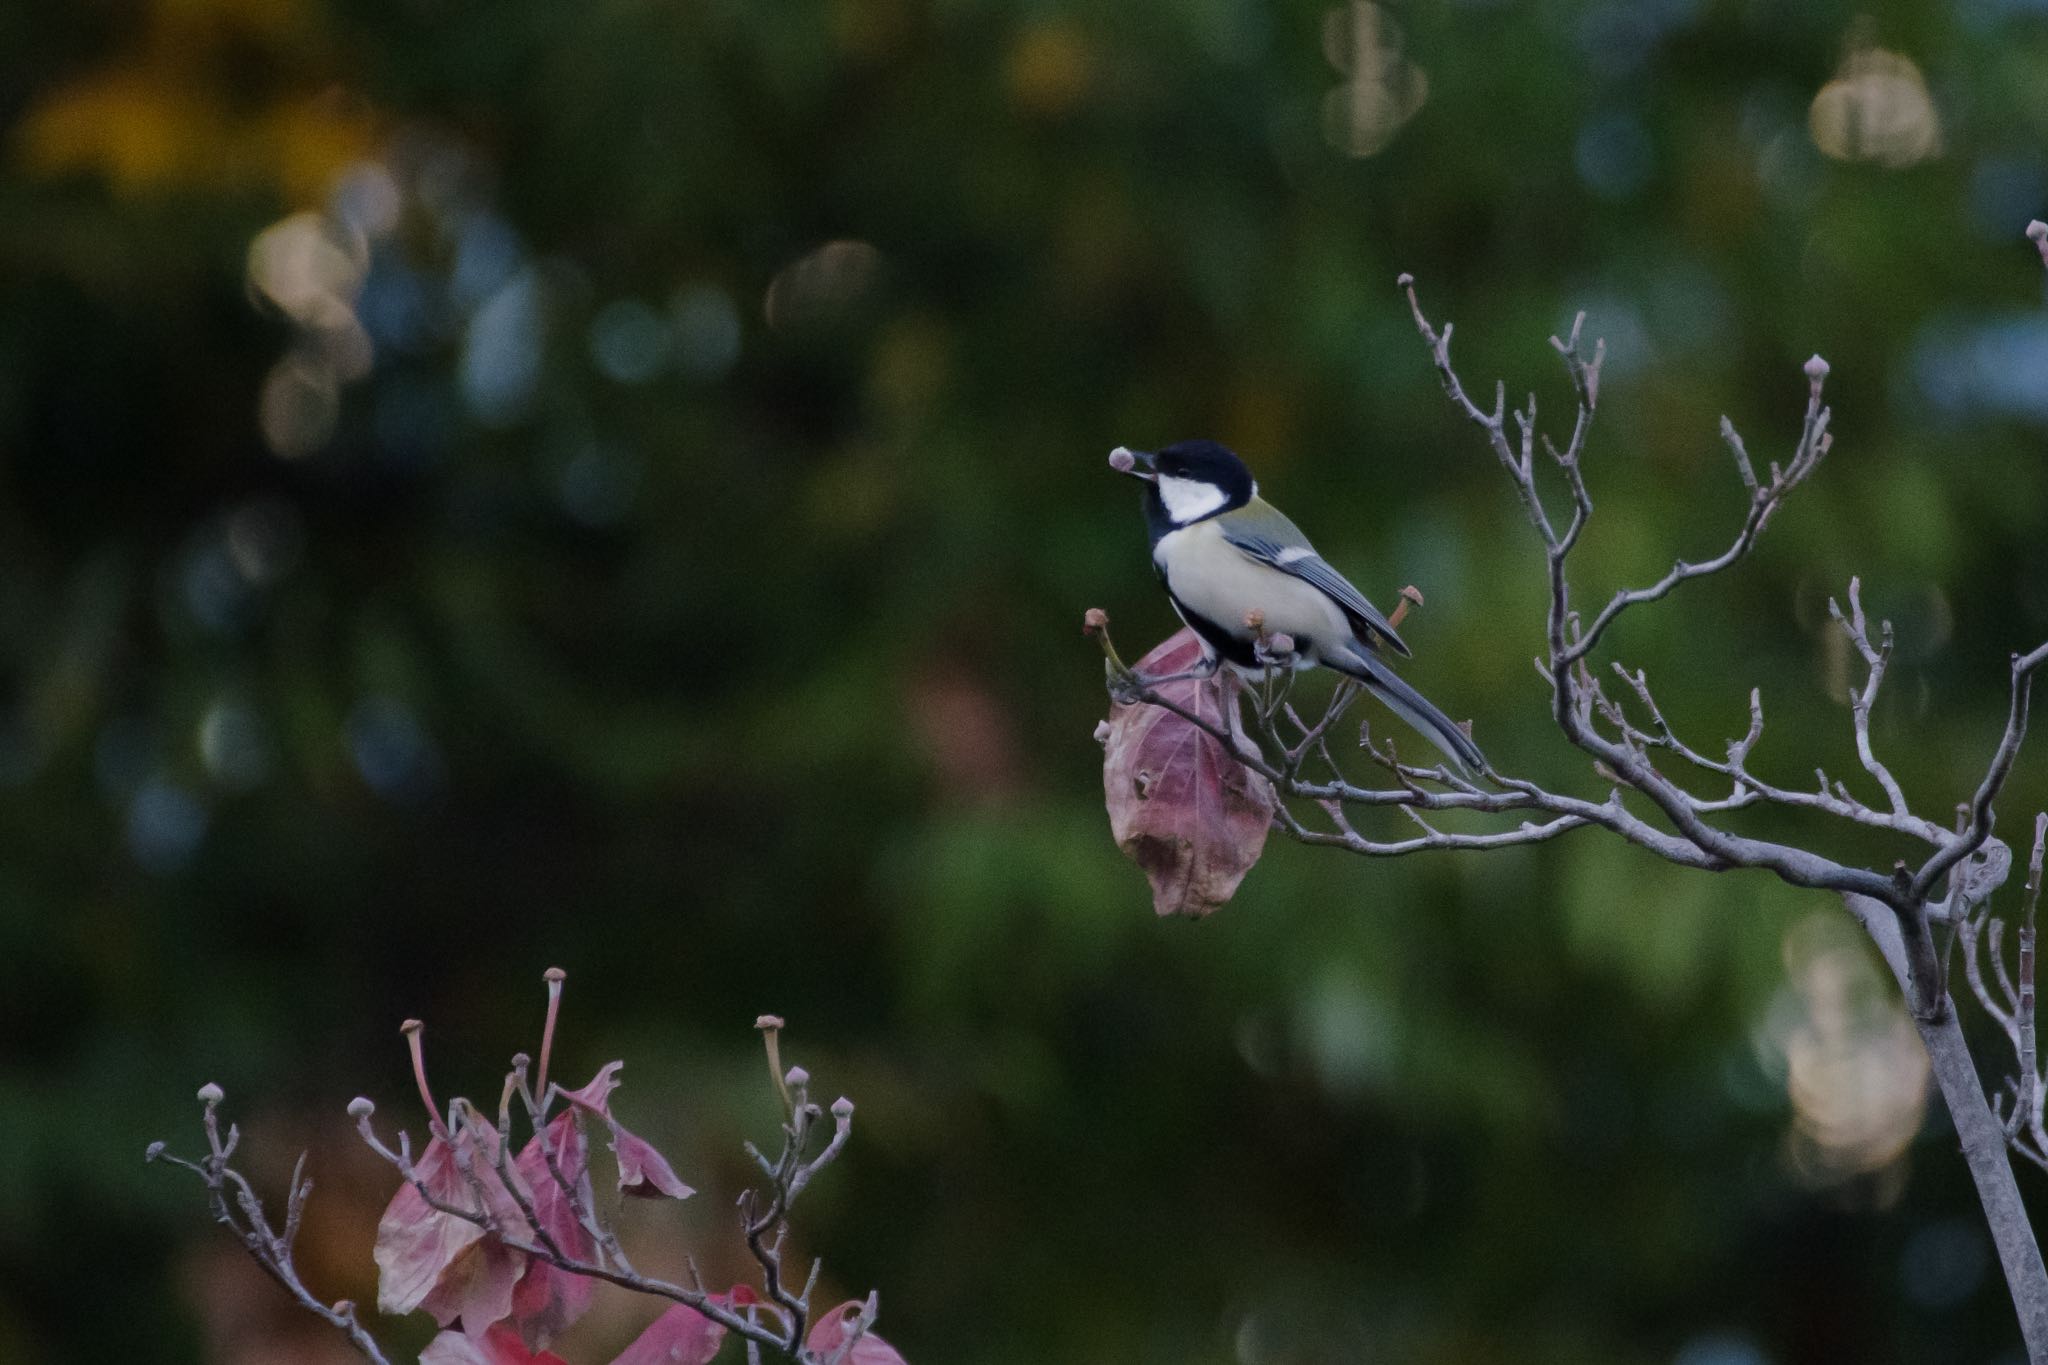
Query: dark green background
(761, 687)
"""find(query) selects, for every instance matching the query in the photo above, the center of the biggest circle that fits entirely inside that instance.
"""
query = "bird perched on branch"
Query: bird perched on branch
(1239, 572)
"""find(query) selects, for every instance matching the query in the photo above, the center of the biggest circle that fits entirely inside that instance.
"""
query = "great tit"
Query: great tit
(1228, 558)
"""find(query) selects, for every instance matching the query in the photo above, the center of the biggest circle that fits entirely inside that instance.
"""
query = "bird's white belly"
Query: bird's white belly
(1218, 581)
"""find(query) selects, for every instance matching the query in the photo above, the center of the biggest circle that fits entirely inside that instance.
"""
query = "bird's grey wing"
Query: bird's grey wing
(1311, 568)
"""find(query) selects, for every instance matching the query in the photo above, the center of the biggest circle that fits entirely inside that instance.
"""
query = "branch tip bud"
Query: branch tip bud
(1816, 369)
(156, 1149)
(842, 1108)
(796, 1077)
(554, 976)
(2038, 230)
(361, 1107)
(1410, 596)
(769, 1021)
(410, 1027)
(1403, 280)
(1095, 621)
(211, 1093)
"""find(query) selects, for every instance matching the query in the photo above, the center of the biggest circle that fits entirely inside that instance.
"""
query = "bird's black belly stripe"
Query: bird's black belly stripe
(1231, 648)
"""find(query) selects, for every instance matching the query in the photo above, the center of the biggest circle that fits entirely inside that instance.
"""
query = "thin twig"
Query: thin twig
(245, 1218)
(1979, 827)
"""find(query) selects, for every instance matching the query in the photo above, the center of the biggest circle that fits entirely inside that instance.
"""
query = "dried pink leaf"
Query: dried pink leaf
(1180, 805)
(499, 1346)
(682, 1335)
(643, 1171)
(833, 1329)
(476, 1288)
(547, 1299)
(596, 1096)
(443, 1263)
(416, 1243)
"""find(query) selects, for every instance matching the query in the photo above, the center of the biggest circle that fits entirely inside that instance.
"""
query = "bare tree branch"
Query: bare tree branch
(243, 1215)
(1979, 828)
(1875, 657)
(1814, 443)
(1627, 736)
(2013, 1003)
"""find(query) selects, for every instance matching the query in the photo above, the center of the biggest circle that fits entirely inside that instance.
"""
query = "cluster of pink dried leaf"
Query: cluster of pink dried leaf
(505, 1250)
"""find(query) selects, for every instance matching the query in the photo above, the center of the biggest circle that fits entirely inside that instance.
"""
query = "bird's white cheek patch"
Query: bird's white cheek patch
(1189, 499)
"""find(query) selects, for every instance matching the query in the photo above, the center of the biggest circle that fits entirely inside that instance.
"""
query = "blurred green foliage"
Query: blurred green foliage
(637, 516)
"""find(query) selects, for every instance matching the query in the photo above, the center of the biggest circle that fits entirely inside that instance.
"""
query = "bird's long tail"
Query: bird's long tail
(1411, 706)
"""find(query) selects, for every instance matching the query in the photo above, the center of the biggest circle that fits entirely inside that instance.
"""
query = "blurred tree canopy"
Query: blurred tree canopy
(498, 485)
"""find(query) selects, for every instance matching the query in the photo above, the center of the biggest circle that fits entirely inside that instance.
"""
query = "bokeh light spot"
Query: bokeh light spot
(1943, 1263)
(234, 745)
(707, 331)
(822, 287)
(1720, 1348)
(598, 485)
(1877, 108)
(1048, 69)
(1382, 90)
(1614, 155)
(165, 824)
(367, 198)
(392, 750)
(1854, 1068)
(264, 539)
(307, 264)
(629, 341)
(501, 355)
(298, 406)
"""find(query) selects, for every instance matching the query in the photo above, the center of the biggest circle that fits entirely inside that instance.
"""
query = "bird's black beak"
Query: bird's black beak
(1136, 463)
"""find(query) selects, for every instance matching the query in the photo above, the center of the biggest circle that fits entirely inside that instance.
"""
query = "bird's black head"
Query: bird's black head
(1191, 480)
